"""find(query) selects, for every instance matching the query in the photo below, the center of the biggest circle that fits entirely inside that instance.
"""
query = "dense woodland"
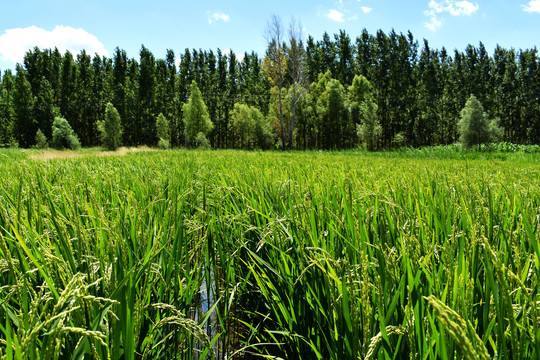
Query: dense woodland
(417, 93)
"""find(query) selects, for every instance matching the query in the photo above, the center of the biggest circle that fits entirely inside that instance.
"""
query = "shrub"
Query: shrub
(370, 130)
(111, 128)
(63, 136)
(474, 126)
(201, 141)
(163, 132)
(41, 140)
(163, 144)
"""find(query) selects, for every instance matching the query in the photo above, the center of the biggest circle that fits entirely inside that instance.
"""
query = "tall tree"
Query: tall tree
(506, 97)
(163, 131)
(221, 116)
(529, 78)
(313, 68)
(212, 97)
(448, 123)
(275, 63)
(120, 89)
(6, 108)
(295, 52)
(364, 53)
(475, 128)
(232, 86)
(84, 122)
(381, 80)
(429, 91)
(171, 112)
(23, 106)
(146, 100)
(327, 54)
(196, 118)
(111, 128)
(364, 112)
(68, 86)
(185, 78)
(345, 55)
(44, 109)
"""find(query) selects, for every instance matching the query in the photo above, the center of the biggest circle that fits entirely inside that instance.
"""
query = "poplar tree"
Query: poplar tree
(275, 64)
(23, 106)
(196, 118)
(296, 67)
(163, 132)
(474, 126)
(146, 98)
(6, 108)
(63, 136)
(111, 128)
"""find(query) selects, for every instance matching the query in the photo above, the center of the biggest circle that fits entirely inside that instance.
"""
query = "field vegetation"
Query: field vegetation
(412, 254)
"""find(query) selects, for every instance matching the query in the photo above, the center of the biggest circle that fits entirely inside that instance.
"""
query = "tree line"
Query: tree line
(379, 90)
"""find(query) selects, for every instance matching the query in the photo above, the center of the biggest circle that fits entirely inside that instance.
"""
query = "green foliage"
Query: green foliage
(111, 128)
(285, 256)
(474, 126)
(163, 131)
(360, 90)
(399, 140)
(419, 91)
(242, 126)
(364, 112)
(201, 141)
(370, 130)
(249, 128)
(332, 106)
(23, 106)
(63, 136)
(196, 118)
(163, 144)
(41, 140)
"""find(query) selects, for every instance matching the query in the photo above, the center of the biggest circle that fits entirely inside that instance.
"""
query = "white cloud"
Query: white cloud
(434, 23)
(217, 16)
(14, 43)
(463, 8)
(335, 15)
(366, 10)
(532, 6)
(452, 7)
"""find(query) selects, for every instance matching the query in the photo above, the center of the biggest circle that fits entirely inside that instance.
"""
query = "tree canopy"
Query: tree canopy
(417, 92)
(475, 128)
(196, 117)
(111, 128)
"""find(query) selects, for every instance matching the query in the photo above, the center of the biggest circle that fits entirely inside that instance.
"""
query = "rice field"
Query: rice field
(248, 255)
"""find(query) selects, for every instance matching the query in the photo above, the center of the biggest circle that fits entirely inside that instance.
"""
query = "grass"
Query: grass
(229, 254)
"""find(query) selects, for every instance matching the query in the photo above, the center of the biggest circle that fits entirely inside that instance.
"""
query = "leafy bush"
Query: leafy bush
(111, 128)
(201, 141)
(474, 126)
(163, 144)
(370, 130)
(163, 132)
(63, 136)
(41, 140)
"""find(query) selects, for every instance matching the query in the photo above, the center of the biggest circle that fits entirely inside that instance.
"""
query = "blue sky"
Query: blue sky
(100, 26)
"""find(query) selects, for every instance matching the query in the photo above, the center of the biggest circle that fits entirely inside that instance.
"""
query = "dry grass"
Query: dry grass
(51, 154)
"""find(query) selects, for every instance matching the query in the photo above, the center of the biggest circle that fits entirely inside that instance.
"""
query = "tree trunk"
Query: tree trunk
(281, 121)
(293, 113)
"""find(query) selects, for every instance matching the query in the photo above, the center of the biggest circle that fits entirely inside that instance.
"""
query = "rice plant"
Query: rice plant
(240, 255)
